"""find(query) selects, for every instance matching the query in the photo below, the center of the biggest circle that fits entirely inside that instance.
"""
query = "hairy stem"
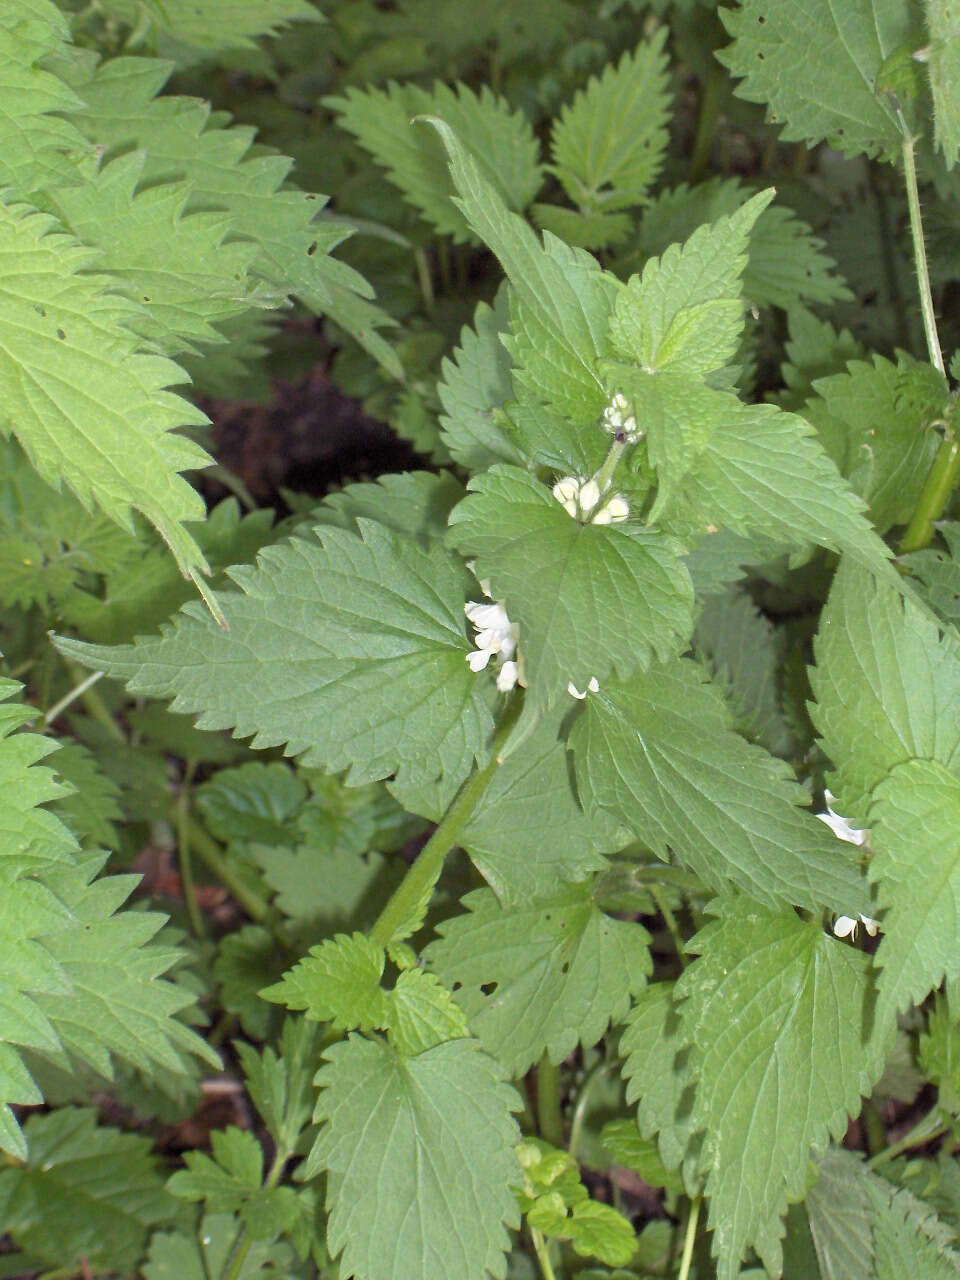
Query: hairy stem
(919, 249)
(549, 1120)
(689, 1240)
(935, 496)
(400, 917)
(925, 1130)
(77, 692)
(209, 852)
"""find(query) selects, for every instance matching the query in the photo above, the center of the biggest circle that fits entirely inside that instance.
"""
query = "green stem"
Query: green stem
(543, 1255)
(935, 496)
(604, 476)
(183, 854)
(96, 707)
(583, 1101)
(238, 1254)
(689, 1240)
(410, 897)
(706, 123)
(549, 1120)
(919, 250)
(670, 920)
(210, 853)
(873, 1128)
(425, 278)
(77, 692)
(925, 1130)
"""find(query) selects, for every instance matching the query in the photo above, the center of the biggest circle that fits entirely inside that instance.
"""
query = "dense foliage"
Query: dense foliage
(576, 890)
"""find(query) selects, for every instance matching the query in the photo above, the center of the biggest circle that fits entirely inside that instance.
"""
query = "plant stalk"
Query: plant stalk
(183, 855)
(689, 1240)
(604, 475)
(411, 895)
(549, 1120)
(210, 853)
(919, 249)
(925, 1130)
(935, 496)
(543, 1255)
(583, 1101)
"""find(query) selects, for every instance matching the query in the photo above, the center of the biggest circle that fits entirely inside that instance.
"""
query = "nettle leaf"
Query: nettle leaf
(684, 311)
(474, 383)
(775, 1012)
(338, 982)
(915, 829)
(821, 89)
(220, 24)
(422, 1013)
(943, 65)
(501, 142)
(815, 349)
(562, 300)
(540, 977)
(608, 144)
(85, 403)
(656, 1068)
(588, 599)
(281, 1084)
(876, 435)
(415, 504)
(840, 1211)
(582, 230)
(247, 960)
(198, 282)
(744, 654)
(437, 1129)
(185, 142)
(887, 688)
(232, 1182)
(209, 1251)
(786, 265)
(660, 752)
(87, 1194)
(92, 809)
(938, 572)
(351, 649)
(505, 834)
(908, 1240)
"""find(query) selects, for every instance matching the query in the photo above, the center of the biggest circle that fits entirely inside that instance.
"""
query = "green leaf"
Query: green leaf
(943, 66)
(820, 89)
(938, 1051)
(879, 440)
(540, 977)
(252, 801)
(582, 230)
(280, 1084)
(248, 960)
(744, 655)
(351, 649)
(87, 1192)
(588, 599)
(415, 504)
(39, 147)
(437, 1128)
(814, 350)
(338, 982)
(185, 143)
(220, 24)
(657, 1070)
(205, 1254)
(231, 1182)
(887, 688)
(562, 300)
(938, 571)
(474, 384)
(421, 1013)
(661, 754)
(608, 144)
(85, 403)
(684, 312)
(915, 821)
(774, 1011)
(629, 1149)
(785, 263)
(500, 141)
(906, 1242)
(92, 810)
(840, 1211)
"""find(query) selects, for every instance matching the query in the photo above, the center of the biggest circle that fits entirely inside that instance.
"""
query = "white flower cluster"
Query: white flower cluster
(581, 498)
(619, 421)
(496, 637)
(846, 926)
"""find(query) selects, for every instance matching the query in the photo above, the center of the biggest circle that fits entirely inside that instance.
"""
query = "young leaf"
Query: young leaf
(659, 751)
(786, 265)
(248, 960)
(608, 144)
(280, 1084)
(252, 801)
(338, 982)
(822, 88)
(562, 298)
(915, 822)
(88, 1194)
(774, 1011)
(938, 571)
(437, 1129)
(209, 1251)
(541, 977)
(232, 1182)
(684, 312)
(887, 688)
(421, 1013)
(85, 403)
(219, 24)
(501, 142)
(351, 649)
(908, 1242)
(840, 1211)
(814, 350)
(588, 599)
(475, 383)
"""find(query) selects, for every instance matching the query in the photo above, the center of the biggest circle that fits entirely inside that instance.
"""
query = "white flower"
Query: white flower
(496, 636)
(580, 498)
(846, 926)
(840, 827)
(619, 421)
(593, 686)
